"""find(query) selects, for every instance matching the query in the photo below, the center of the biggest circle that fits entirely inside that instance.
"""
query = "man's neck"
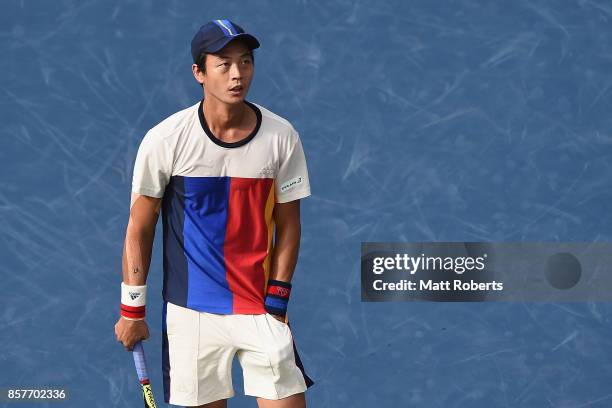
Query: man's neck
(223, 117)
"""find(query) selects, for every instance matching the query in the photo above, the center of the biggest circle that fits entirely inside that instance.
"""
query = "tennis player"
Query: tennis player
(228, 176)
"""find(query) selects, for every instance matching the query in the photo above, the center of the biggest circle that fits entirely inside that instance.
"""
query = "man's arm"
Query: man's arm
(288, 233)
(284, 257)
(138, 244)
(137, 248)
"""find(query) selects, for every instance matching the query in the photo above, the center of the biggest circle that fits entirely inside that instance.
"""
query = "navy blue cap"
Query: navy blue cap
(215, 34)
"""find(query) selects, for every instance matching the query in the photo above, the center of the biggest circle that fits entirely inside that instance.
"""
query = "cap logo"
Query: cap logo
(227, 27)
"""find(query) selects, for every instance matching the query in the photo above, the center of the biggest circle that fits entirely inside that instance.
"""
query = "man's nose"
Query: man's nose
(236, 70)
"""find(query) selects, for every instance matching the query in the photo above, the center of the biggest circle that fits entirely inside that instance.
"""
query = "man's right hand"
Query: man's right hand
(129, 332)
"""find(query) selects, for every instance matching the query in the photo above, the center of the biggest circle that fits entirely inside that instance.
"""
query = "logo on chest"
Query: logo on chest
(267, 171)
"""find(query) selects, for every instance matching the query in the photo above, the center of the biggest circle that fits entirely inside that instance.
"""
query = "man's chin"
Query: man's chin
(236, 100)
(232, 100)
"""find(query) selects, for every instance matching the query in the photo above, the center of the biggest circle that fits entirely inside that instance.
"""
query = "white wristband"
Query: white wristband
(133, 295)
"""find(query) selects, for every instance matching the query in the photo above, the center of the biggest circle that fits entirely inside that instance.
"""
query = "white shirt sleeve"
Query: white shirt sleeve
(292, 181)
(153, 166)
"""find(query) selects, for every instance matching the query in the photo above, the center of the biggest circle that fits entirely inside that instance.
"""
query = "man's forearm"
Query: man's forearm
(137, 251)
(285, 254)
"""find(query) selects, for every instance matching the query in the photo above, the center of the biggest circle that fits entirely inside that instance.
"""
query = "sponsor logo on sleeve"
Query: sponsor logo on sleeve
(291, 184)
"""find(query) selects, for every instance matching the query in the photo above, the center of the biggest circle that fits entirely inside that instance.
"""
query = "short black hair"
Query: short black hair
(201, 61)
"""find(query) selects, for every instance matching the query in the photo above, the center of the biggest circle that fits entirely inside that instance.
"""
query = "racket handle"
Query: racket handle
(140, 362)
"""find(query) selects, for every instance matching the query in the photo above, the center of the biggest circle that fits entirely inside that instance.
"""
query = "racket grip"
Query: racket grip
(140, 362)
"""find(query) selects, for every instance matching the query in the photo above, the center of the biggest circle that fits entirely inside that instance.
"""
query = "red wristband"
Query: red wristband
(133, 312)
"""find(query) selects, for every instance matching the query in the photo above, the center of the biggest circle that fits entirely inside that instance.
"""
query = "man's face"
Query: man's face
(230, 67)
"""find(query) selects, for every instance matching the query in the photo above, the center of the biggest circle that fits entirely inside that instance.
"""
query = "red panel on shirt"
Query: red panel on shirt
(246, 242)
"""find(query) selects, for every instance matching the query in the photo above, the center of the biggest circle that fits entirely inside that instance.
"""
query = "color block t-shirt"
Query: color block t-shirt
(217, 205)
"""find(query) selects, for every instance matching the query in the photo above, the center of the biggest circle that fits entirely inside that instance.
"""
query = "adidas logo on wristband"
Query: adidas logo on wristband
(133, 300)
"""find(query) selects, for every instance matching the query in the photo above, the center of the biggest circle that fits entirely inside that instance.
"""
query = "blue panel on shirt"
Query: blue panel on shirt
(206, 205)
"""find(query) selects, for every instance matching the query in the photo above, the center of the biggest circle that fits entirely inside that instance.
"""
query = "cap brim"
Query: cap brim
(248, 39)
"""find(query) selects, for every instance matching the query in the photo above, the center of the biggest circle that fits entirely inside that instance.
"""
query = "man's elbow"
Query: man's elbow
(287, 214)
(144, 214)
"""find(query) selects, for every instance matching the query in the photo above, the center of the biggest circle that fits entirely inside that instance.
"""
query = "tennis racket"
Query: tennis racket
(143, 375)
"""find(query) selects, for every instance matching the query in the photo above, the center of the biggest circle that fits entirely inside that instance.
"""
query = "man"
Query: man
(226, 174)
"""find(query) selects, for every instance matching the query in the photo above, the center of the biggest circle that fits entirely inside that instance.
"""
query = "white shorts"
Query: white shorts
(199, 347)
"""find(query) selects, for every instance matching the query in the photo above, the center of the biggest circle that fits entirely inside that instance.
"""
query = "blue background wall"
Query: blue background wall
(421, 121)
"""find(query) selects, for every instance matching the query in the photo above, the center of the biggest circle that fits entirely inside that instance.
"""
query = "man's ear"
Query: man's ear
(197, 74)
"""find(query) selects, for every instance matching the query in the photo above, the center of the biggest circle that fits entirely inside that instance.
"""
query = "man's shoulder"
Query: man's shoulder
(175, 123)
(276, 123)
